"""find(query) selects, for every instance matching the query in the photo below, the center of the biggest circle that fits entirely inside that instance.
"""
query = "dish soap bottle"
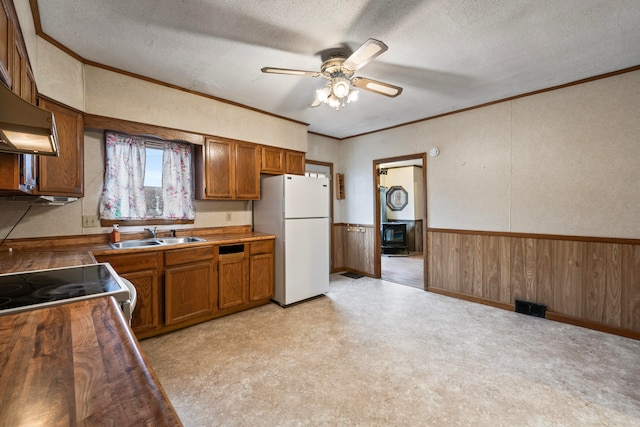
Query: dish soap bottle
(115, 234)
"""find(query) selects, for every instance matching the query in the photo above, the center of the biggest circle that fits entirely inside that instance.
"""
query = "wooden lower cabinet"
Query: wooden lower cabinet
(189, 284)
(146, 315)
(233, 276)
(261, 273)
(181, 287)
(143, 270)
(189, 292)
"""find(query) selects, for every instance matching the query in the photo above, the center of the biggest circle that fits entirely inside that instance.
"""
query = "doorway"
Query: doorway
(400, 185)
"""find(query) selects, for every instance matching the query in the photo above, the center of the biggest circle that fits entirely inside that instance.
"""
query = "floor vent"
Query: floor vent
(352, 275)
(531, 308)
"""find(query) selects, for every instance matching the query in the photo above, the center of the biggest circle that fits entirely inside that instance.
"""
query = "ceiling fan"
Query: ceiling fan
(339, 72)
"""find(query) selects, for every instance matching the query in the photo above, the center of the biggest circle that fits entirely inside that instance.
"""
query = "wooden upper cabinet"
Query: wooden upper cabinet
(247, 171)
(219, 168)
(6, 45)
(63, 175)
(229, 170)
(27, 83)
(295, 163)
(277, 161)
(272, 160)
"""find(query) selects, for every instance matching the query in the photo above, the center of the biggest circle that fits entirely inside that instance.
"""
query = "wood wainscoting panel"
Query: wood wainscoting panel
(354, 248)
(471, 265)
(359, 251)
(589, 282)
(594, 282)
(630, 292)
(337, 241)
(567, 276)
(544, 272)
(495, 268)
(613, 285)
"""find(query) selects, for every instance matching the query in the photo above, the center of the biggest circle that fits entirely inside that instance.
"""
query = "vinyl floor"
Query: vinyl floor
(374, 353)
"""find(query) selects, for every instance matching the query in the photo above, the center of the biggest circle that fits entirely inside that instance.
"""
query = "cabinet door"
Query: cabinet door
(28, 83)
(232, 280)
(64, 175)
(247, 171)
(15, 66)
(146, 314)
(141, 269)
(261, 276)
(272, 160)
(295, 163)
(189, 292)
(219, 169)
(6, 37)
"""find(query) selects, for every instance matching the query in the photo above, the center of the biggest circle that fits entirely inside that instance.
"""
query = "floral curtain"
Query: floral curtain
(177, 185)
(123, 194)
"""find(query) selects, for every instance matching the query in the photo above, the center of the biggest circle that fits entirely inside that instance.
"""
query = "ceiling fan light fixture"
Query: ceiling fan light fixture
(323, 94)
(340, 87)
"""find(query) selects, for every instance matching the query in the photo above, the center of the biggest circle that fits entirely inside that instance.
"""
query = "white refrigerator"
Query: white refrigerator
(296, 209)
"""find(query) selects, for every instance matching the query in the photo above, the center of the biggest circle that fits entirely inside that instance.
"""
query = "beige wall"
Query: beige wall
(116, 95)
(325, 149)
(410, 178)
(560, 162)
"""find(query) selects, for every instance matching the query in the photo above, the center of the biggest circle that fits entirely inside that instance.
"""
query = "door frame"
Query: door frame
(333, 214)
(377, 268)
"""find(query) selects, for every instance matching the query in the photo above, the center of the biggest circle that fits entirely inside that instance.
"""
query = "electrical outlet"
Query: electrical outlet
(228, 217)
(89, 221)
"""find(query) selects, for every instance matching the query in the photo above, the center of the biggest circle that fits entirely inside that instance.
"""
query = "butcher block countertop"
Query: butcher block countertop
(29, 260)
(77, 364)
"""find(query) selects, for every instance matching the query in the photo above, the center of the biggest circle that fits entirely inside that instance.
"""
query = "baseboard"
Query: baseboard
(558, 317)
(550, 315)
(471, 298)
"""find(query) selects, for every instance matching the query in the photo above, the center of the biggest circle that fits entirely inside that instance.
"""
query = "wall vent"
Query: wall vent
(530, 308)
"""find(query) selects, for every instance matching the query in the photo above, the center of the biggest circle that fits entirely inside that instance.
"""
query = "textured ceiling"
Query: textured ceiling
(446, 54)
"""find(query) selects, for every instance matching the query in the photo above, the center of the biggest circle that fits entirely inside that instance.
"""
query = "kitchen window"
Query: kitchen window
(147, 181)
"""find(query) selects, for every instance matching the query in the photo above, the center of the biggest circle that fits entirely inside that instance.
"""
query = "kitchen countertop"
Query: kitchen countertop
(29, 260)
(34, 258)
(77, 364)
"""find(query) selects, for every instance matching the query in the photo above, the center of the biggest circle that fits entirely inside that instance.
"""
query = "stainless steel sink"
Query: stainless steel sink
(127, 244)
(178, 240)
(161, 241)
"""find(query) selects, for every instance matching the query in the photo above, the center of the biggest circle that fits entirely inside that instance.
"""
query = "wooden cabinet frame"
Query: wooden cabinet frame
(227, 169)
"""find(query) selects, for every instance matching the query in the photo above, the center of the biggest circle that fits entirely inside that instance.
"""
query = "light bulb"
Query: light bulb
(323, 94)
(340, 87)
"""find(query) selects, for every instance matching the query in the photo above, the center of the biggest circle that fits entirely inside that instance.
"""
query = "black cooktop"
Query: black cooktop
(49, 287)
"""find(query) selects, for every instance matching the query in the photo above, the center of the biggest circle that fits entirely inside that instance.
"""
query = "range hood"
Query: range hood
(42, 200)
(25, 128)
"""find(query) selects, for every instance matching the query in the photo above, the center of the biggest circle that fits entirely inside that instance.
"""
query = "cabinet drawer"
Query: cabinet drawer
(231, 251)
(183, 256)
(262, 247)
(131, 262)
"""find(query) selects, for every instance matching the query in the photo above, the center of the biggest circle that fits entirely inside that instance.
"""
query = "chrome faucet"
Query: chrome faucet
(154, 232)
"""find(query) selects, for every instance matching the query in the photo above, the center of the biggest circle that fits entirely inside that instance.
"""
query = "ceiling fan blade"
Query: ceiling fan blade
(321, 96)
(366, 53)
(382, 88)
(290, 72)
